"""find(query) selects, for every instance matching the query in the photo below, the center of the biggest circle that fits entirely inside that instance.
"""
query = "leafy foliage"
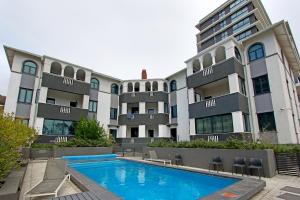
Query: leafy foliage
(13, 135)
(89, 130)
(229, 144)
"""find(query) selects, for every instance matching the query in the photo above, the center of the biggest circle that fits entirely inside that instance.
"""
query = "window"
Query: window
(242, 24)
(239, 13)
(174, 111)
(113, 133)
(29, 67)
(58, 127)
(94, 84)
(222, 14)
(261, 85)
(50, 101)
(113, 113)
(235, 4)
(135, 110)
(73, 104)
(93, 106)
(25, 95)
(215, 124)
(114, 89)
(242, 86)
(223, 24)
(244, 35)
(237, 54)
(151, 111)
(246, 123)
(224, 35)
(266, 122)
(25, 121)
(173, 86)
(256, 52)
(166, 108)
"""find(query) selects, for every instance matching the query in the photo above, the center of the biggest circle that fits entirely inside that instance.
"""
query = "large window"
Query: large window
(216, 124)
(93, 106)
(25, 95)
(58, 127)
(235, 4)
(29, 67)
(256, 52)
(173, 86)
(242, 24)
(266, 122)
(174, 111)
(261, 85)
(114, 89)
(94, 84)
(244, 35)
(113, 113)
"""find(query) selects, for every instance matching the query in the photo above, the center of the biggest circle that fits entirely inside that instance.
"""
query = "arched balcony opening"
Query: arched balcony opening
(220, 54)
(155, 86)
(130, 87)
(80, 75)
(207, 60)
(137, 87)
(148, 87)
(69, 72)
(196, 66)
(55, 68)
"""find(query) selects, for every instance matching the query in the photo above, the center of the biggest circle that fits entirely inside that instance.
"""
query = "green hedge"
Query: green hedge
(229, 144)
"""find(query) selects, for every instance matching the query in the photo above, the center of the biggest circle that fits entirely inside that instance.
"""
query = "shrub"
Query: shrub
(89, 130)
(13, 135)
(229, 144)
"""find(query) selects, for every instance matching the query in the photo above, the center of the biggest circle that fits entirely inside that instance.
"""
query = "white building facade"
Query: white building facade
(243, 83)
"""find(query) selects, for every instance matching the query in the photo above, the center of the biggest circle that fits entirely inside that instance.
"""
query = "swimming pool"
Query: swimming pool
(138, 181)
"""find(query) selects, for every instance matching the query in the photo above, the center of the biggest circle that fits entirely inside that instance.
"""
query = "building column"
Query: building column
(192, 127)
(238, 122)
(85, 103)
(142, 86)
(124, 109)
(43, 95)
(142, 108)
(160, 86)
(122, 131)
(39, 123)
(163, 131)
(189, 68)
(234, 85)
(213, 57)
(201, 63)
(75, 72)
(191, 94)
(88, 76)
(142, 131)
(229, 50)
(161, 107)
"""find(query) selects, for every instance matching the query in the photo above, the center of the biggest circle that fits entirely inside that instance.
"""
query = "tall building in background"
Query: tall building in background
(243, 83)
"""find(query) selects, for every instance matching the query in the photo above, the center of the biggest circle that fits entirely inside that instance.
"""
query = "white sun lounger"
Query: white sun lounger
(54, 178)
(154, 158)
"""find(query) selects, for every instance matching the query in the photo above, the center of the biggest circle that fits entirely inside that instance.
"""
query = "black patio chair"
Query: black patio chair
(216, 164)
(239, 163)
(178, 160)
(256, 164)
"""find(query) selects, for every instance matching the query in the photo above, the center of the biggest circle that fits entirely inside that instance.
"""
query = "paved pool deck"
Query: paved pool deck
(35, 173)
(36, 168)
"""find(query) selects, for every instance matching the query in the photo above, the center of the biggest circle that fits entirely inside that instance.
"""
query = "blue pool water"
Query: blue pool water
(137, 181)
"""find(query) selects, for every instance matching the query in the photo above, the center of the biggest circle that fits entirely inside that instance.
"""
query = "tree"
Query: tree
(89, 130)
(13, 135)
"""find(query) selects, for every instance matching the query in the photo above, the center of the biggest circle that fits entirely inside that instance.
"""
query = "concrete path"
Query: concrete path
(35, 173)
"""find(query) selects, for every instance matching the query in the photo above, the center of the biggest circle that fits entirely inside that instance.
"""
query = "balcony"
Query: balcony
(215, 72)
(148, 97)
(219, 105)
(143, 119)
(50, 111)
(66, 84)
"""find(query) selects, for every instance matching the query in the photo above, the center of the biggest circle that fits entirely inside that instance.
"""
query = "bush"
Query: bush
(13, 135)
(89, 130)
(229, 144)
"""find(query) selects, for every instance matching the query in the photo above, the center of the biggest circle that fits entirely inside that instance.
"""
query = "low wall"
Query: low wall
(36, 153)
(201, 157)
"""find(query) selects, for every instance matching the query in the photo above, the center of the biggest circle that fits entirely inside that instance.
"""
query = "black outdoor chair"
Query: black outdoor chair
(216, 164)
(178, 160)
(239, 163)
(256, 164)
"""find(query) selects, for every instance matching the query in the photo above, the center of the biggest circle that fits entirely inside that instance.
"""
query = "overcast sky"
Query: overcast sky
(115, 37)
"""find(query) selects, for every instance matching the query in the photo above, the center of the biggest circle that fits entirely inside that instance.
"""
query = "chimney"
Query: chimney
(144, 74)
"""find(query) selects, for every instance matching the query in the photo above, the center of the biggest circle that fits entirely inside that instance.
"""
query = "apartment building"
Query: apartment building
(243, 83)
